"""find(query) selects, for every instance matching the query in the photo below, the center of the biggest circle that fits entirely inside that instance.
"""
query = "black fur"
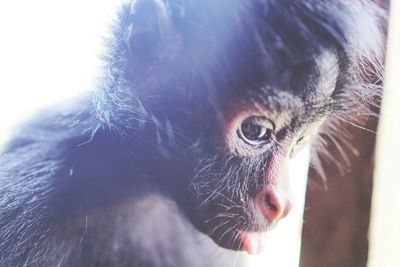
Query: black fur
(113, 179)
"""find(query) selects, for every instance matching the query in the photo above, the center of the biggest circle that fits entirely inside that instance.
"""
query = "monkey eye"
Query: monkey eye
(256, 130)
(300, 144)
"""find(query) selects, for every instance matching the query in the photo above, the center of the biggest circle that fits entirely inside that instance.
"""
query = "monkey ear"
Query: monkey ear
(148, 25)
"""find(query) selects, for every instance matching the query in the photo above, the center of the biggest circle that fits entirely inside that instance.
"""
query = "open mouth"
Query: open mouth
(254, 242)
(245, 232)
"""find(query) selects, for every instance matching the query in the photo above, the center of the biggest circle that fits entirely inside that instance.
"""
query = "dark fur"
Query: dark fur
(104, 182)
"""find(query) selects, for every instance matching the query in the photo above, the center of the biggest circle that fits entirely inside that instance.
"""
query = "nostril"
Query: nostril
(272, 206)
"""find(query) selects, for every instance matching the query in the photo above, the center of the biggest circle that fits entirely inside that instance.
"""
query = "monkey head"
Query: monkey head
(223, 93)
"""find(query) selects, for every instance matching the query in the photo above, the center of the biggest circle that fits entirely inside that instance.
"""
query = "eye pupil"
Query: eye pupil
(253, 132)
(256, 129)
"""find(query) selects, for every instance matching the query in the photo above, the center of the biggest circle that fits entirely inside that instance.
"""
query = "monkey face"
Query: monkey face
(241, 189)
(240, 186)
(231, 94)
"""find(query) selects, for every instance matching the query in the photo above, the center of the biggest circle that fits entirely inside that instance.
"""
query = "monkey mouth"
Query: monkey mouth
(245, 232)
(252, 242)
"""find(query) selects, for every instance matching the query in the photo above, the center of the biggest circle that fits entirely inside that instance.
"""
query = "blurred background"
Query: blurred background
(49, 52)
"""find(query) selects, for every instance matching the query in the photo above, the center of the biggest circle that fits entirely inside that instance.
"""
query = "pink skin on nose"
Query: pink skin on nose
(275, 201)
(277, 198)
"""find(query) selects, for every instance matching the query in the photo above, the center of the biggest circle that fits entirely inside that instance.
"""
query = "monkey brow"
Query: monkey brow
(276, 100)
(300, 110)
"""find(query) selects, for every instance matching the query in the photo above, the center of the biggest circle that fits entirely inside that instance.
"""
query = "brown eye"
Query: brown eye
(256, 130)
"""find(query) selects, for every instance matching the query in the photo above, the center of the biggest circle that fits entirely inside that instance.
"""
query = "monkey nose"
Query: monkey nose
(274, 204)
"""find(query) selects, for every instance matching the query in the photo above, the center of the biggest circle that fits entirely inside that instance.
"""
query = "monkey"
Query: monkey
(188, 133)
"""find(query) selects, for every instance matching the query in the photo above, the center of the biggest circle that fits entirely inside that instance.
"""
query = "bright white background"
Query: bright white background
(49, 51)
(385, 218)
